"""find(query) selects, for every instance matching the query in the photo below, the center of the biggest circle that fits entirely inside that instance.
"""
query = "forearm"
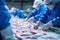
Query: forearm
(32, 13)
(56, 22)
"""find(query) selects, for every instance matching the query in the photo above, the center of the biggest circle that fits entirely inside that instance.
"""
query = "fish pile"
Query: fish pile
(23, 30)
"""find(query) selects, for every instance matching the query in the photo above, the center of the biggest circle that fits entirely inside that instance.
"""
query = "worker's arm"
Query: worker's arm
(47, 26)
(42, 15)
(56, 20)
(32, 13)
(53, 23)
(56, 23)
(20, 14)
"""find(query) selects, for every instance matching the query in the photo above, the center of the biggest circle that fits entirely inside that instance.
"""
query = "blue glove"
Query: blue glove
(17, 12)
(14, 12)
(20, 14)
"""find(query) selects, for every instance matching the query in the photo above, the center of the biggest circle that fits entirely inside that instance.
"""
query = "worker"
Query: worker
(56, 21)
(5, 28)
(17, 12)
(45, 15)
(41, 11)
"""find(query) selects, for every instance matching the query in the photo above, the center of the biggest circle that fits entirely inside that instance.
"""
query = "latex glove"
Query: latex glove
(47, 26)
(30, 19)
(26, 19)
(37, 24)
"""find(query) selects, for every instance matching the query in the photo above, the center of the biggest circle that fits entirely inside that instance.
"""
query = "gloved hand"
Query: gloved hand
(36, 25)
(29, 19)
(13, 11)
(47, 26)
(26, 19)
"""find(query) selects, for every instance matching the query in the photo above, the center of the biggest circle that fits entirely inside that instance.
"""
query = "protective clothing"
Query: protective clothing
(5, 28)
(4, 16)
(41, 13)
(56, 10)
(17, 12)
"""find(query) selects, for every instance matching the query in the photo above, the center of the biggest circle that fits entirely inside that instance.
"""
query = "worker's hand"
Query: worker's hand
(31, 19)
(36, 25)
(47, 26)
(26, 19)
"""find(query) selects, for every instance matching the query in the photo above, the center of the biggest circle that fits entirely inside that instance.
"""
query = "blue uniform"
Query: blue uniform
(43, 13)
(56, 9)
(4, 16)
(2, 2)
(5, 28)
(18, 13)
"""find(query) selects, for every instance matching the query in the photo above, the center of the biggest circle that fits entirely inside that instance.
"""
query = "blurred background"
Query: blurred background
(21, 4)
